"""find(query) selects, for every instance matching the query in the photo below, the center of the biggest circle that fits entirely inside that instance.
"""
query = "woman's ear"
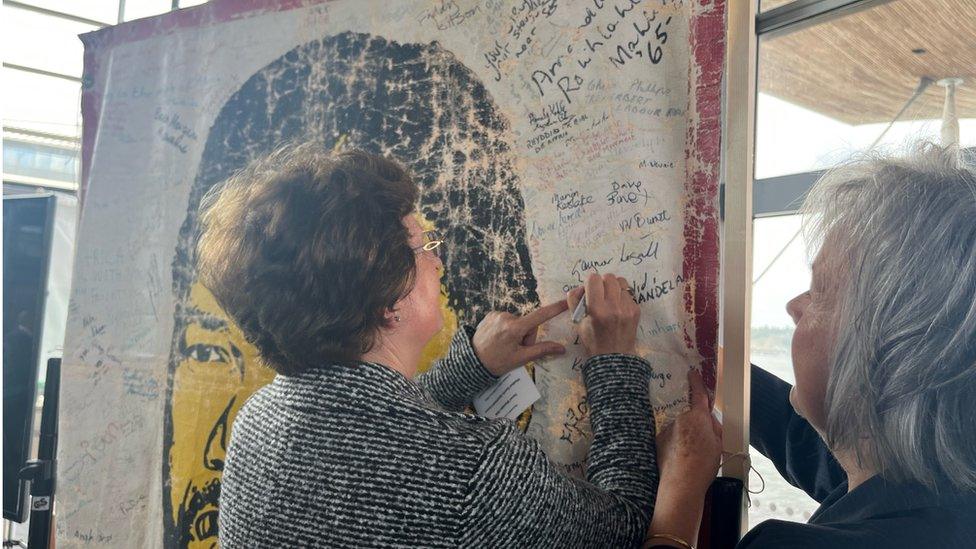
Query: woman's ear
(392, 316)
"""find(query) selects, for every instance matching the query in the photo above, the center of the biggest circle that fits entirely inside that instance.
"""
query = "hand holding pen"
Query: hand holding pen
(608, 315)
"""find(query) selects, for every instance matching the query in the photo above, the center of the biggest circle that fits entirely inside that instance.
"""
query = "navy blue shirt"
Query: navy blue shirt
(877, 513)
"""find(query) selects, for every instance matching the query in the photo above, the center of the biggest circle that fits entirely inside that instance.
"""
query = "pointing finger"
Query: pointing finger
(543, 314)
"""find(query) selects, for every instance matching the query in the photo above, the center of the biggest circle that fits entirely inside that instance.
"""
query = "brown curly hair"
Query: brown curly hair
(306, 250)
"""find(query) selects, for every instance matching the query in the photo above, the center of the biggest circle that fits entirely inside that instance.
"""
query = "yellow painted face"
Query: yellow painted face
(217, 370)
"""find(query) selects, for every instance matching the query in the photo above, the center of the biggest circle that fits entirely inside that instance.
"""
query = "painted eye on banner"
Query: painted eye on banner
(202, 352)
(205, 525)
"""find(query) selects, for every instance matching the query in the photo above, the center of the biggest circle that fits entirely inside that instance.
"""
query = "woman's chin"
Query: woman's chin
(794, 401)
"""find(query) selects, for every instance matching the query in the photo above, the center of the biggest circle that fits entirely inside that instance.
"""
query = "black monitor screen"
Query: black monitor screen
(27, 226)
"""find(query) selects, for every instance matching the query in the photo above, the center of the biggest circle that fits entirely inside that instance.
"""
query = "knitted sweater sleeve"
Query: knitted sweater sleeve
(518, 498)
(454, 380)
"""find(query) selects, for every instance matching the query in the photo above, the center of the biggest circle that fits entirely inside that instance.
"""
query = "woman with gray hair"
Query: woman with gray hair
(882, 427)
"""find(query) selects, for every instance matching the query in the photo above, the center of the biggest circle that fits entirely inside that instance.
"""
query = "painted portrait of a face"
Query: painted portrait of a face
(215, 372)
(415, 103)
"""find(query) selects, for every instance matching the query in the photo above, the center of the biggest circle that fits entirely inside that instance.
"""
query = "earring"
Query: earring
(396, 318)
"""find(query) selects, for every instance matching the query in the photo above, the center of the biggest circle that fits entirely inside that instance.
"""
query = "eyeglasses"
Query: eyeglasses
(432, 243)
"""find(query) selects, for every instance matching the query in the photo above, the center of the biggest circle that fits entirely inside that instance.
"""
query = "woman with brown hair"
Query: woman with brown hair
(321, 262)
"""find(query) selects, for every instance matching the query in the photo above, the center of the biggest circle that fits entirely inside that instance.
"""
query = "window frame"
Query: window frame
(743, 199)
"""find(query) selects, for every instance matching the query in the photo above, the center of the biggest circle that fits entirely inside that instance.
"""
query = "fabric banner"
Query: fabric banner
(549, 139)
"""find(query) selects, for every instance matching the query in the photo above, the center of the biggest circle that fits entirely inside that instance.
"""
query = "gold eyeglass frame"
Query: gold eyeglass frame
(433, 242)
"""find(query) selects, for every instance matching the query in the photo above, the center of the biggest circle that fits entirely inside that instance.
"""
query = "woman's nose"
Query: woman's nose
(794, 310)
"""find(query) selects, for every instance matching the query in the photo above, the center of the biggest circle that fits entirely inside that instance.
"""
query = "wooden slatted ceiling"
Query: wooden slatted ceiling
(861, 68)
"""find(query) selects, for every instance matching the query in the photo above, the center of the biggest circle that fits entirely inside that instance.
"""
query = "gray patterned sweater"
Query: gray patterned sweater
(361, 456)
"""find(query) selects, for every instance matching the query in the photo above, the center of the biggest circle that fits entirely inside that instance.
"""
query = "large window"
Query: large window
(42, 69)
(870, 75)
(780, 271)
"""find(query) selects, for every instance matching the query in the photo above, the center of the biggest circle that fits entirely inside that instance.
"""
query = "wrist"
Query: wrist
(656, 539)
(497, 370)
(489, 365)
(683, 487)
(486, 360)
(466, 345)
(680, 516)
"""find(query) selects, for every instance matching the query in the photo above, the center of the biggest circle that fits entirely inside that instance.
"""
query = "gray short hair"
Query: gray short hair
(902, 387)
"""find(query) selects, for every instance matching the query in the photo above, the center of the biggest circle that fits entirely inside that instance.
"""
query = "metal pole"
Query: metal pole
(950, 120)
(43, 485)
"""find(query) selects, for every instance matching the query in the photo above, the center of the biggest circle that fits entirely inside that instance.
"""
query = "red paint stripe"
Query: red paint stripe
(701, 230)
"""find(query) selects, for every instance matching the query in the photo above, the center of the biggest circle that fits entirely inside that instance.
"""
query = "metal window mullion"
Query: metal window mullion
(39, 134)
(803, 13)
(782, 195)
(54, 13)
(41, 72)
